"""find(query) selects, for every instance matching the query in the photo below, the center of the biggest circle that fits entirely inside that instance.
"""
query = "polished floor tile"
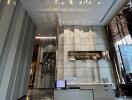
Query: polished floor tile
(124, 98)
(40, 94)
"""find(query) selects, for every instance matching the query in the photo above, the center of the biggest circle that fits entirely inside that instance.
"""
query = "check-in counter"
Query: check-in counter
(101, 91)
(73, 94)
(86, 91)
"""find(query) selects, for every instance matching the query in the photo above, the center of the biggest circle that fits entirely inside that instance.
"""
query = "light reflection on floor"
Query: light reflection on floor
(124, 98)
(39, 94)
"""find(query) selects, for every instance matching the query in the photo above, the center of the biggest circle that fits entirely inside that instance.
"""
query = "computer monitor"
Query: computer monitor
(61, 84)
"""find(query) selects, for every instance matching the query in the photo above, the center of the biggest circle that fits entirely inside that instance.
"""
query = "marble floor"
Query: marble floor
(124, 98)
(40, 94)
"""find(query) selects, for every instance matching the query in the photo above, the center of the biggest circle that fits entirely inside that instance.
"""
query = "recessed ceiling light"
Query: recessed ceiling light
(89, 2)
(99, 3)
(86, 1)
(56, 1)
(80, 2)
(8, 2)
(62, 3)
(71, 2)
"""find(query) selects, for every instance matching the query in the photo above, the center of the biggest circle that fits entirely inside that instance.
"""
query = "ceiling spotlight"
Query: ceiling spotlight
(80, 2)
(56, 1)
(71, 2)
(99, 3)
(86, 1)
(14, 2)
(8, 2)
(62, 3)
(89, 2)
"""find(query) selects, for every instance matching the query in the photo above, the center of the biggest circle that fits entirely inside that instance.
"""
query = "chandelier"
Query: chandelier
(129, 6)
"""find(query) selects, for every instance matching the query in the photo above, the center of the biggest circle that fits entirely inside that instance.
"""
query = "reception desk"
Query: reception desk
(73, 94)
(86, 91)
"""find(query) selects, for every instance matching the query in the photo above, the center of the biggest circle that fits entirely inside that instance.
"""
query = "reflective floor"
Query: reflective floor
(124, 98)
(40, 94)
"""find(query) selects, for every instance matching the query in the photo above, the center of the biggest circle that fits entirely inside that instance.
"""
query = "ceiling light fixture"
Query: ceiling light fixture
(48, 37)
(99, 3)
(8, 2)
(129, 6)
(80, 2)
(86, 1)
(62, 3)
(89, 2)
(71, 2)
(56, 1)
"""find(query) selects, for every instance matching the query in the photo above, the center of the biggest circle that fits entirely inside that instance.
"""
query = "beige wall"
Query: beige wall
(76, 38)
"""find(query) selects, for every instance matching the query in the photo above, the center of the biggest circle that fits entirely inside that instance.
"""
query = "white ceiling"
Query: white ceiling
(47, 13)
